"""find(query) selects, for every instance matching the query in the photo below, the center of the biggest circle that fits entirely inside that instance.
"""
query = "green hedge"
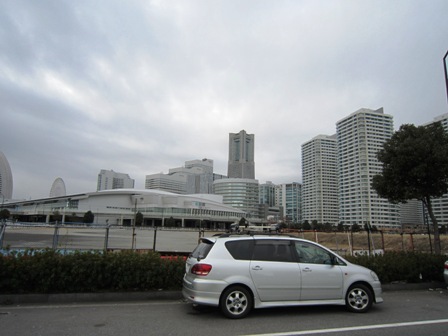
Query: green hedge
(412, 267)
(50, 271)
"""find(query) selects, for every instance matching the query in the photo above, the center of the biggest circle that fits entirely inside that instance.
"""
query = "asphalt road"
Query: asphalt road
(419, 312)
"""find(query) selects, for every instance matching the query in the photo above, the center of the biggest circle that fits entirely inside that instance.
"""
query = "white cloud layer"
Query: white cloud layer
(143, 86)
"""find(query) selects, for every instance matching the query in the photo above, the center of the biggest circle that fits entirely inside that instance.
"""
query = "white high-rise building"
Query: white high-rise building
(5, 178)
(320, 180)
(440, 205)
(360, 136)
(108, 179)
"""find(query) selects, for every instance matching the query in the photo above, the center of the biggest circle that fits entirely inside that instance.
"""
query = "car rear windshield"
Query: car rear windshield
(201, 251)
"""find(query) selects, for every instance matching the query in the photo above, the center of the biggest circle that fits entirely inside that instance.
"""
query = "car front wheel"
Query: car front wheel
(236, 302)
(359, 298)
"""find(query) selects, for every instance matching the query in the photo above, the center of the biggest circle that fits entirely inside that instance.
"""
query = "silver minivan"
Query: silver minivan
(240, 272)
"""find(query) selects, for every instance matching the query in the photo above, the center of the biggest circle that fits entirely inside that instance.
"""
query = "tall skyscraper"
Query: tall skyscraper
(108, 179)
(360, 136)
(320, 180)
(241, 155)
(5, 178)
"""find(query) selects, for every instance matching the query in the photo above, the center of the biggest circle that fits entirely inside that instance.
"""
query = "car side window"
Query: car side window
(240, 249)
(312, 254)
(273, 250)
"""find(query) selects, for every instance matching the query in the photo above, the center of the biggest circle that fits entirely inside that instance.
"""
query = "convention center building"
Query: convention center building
(121, 206)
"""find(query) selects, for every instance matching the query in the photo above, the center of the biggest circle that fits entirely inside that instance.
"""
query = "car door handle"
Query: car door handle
(307, 269)
(257, 268)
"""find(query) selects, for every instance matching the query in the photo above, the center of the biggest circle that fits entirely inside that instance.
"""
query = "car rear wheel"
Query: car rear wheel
(359, 298)
(236, 302)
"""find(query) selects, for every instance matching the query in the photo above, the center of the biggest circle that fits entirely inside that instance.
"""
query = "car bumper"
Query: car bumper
(203, 291)
(378, 292)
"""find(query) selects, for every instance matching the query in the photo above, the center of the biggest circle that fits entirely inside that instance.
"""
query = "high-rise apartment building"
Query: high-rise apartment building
(440, 205)
(5, 178)
(108, 179)
(360, 136)
(241, 155)
(320, 180)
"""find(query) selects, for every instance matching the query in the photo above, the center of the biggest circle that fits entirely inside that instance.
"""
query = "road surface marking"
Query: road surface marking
(373, 326)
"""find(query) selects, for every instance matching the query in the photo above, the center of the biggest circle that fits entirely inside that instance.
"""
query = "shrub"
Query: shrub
(50, 271)
(403, 266)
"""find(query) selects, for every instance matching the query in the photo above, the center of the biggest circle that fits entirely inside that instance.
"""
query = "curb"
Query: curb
(398, 286)
(15, 299)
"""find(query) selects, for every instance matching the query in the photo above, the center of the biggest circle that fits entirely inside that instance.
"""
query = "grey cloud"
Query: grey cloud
(143, 86)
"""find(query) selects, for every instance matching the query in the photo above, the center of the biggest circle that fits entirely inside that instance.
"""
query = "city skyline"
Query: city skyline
(81, 92)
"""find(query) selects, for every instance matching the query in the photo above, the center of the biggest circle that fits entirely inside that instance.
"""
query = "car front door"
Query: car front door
(320, 279)
(275, 271)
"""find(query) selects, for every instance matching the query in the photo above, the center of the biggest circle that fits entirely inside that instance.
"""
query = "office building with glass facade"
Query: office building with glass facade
(241, 194)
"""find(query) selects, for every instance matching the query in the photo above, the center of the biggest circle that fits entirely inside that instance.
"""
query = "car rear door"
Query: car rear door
(275, 271)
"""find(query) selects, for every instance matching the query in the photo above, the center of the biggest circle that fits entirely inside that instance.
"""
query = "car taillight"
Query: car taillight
(201, 269)
(446, 265)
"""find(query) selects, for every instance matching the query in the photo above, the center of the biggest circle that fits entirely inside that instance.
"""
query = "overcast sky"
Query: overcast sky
(143, 86)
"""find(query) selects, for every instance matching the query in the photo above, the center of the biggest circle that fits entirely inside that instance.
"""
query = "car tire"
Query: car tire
(359, 298)
(236, 302)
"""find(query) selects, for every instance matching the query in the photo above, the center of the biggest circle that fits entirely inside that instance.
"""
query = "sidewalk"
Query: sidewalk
(18, 299)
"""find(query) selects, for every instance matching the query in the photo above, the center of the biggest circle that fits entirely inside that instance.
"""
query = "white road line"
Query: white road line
(368, 327)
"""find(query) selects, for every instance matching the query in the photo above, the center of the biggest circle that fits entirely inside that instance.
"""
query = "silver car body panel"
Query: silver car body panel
(275, 284)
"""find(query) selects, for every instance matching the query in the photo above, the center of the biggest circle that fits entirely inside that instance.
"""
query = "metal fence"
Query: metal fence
(18, 237)
(182, 240)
